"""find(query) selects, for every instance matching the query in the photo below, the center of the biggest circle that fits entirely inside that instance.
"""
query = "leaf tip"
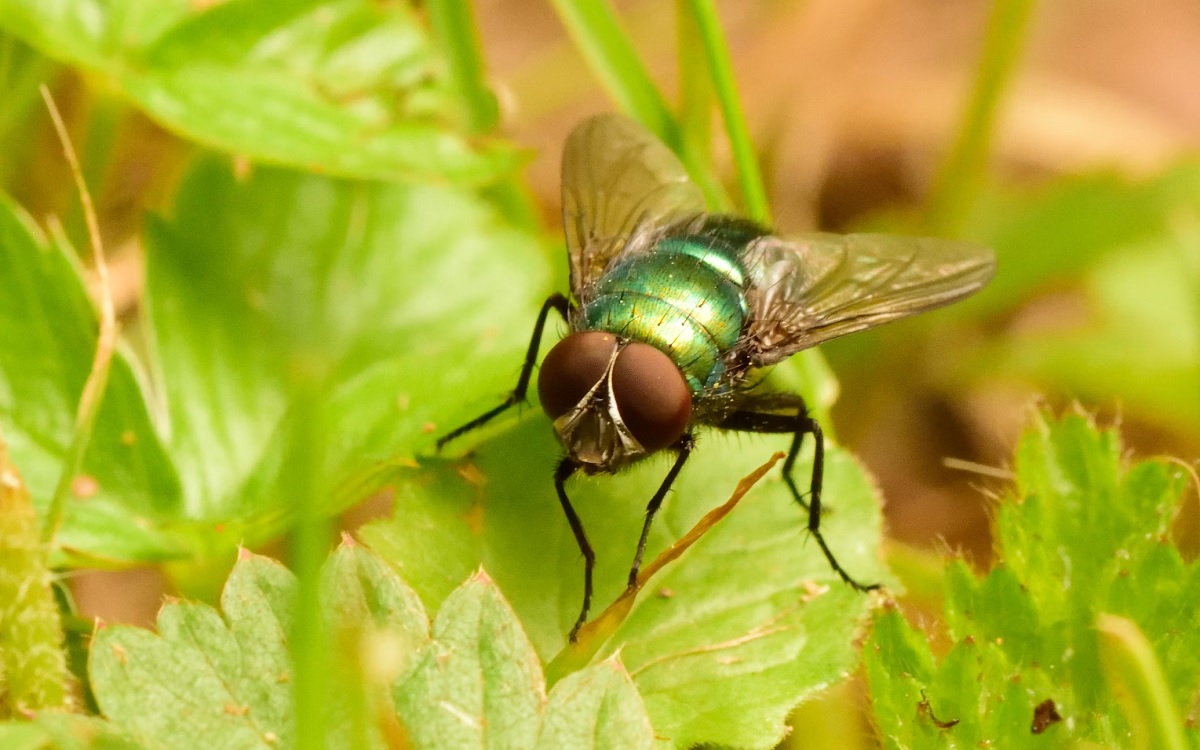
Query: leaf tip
(481, 576)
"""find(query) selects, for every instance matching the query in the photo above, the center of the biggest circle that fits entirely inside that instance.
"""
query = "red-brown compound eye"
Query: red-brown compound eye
(572, 368)
(652, 396)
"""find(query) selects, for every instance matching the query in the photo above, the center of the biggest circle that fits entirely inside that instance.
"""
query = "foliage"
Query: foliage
(347, 267)
(1087, 537)
(470, 680)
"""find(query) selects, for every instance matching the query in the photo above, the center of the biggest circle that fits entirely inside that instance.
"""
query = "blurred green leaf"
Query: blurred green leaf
(92, 33)
(1089, 535)
(1053, 232)
(348, 88)
(51, 730)
(1139, 342)
(48, 328)
(359, 587)
(726, 640)
(1136, 679)
(21, 70)
(372, 287)
(378, 289)
(377, 628)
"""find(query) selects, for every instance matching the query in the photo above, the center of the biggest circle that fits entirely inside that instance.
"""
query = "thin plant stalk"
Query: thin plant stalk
(593, 26)
(696, 99)
(309, 545)
(97, 380)
(958, 183)
(454, 27)
(720, 67)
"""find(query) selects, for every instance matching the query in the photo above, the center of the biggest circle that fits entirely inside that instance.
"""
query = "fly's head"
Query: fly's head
(612, 401)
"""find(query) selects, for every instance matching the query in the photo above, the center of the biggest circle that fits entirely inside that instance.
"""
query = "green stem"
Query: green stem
(309, 543)
(454, 27)
(607, 49)
(960, 179)
(695, 95)
(720, 67)
(1138, 682)
(106, 341)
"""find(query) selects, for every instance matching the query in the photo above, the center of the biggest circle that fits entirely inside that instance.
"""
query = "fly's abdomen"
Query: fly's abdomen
(684, 298)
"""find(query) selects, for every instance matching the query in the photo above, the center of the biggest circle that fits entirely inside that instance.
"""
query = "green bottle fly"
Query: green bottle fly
(686, 297)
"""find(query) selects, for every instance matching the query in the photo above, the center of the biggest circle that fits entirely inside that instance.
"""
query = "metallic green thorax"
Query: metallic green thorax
(685, 297)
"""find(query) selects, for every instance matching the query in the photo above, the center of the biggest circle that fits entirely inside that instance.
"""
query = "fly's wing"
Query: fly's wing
(812, 288)
(620, 185)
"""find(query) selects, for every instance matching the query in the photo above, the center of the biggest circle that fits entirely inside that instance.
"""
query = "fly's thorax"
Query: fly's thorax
(686, 297)
(612, 401)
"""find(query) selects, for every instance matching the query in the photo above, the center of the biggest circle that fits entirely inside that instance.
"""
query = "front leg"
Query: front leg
(684, 449)
(566, 468)
(556, 302)
(762, 414)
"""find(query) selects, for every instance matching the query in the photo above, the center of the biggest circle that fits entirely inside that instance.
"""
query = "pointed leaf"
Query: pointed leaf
(479, 683)
(1089, 534)
(595, 708)
(211, 683)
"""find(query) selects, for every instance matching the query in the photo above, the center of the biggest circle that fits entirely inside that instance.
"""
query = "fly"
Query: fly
(672, 311)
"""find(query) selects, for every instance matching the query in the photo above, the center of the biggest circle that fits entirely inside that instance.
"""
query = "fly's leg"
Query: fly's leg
(684, 449)
(566, 468)
(556, 302)
(760, 415)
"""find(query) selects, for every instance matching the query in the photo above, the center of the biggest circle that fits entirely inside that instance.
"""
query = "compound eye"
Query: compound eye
(572, 368)
(652, 396)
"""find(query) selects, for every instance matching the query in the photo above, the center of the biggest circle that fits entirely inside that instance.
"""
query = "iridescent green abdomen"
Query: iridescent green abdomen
(685, 297)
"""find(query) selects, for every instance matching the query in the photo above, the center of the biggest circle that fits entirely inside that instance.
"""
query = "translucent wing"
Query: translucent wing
(620, 184)
(812, 288)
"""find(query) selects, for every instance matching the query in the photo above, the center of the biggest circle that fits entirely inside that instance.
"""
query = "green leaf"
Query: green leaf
(1054, 231)
(479, 684)
(1137, 681)
(22, 69)
(48, 330)
(374, 287)
(92, 33)
(726, 641)
(53, 730)
(250, 284)
(361, 588)
(597, 707)
(214, 679)
(210, 682)
(349, 88)
(1089, 534)
(1144, 307)
(474, 682)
